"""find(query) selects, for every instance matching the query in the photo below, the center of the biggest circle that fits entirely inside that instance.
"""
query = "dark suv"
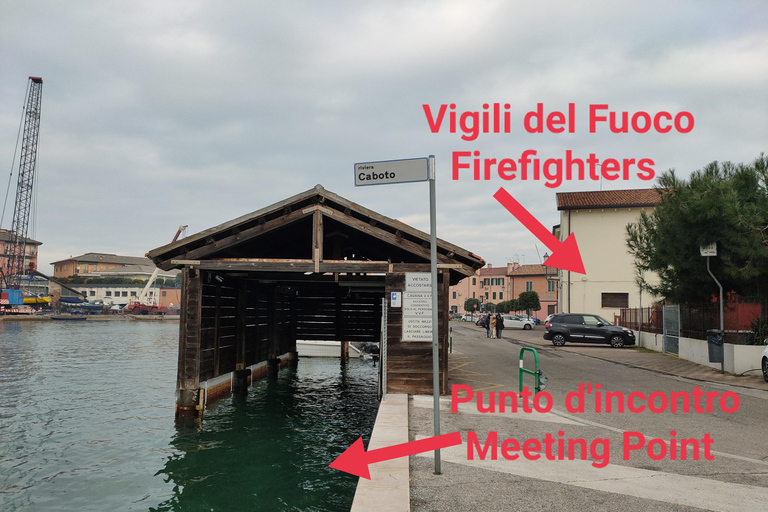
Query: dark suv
(584, 328)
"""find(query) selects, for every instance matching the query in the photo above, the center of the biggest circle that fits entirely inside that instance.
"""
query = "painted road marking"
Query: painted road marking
(462, 374)
(661, 486)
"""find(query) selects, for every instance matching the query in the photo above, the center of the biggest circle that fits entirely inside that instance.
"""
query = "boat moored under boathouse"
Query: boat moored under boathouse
(314, 266)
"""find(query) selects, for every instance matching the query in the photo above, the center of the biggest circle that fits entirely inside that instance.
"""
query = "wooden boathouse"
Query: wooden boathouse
(314, 266)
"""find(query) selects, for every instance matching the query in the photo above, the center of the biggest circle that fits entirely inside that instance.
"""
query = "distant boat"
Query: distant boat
(69, 317)
(71, 300)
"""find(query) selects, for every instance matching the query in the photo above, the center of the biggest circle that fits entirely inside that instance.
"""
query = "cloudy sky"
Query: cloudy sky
(161, 113)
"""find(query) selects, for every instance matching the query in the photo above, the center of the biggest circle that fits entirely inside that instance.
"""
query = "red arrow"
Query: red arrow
(355, 459)
(565, 255)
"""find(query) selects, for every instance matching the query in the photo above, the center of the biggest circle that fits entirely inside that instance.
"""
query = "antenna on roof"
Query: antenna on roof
(537, 252)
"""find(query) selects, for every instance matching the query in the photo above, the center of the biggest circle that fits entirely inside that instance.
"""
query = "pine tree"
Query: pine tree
(723, 203)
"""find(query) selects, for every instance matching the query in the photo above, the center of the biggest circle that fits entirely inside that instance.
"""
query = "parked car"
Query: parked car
(524, 316)
(517, 322)
(764, 363)
(467, 317)
(481, 322)
(586, 328)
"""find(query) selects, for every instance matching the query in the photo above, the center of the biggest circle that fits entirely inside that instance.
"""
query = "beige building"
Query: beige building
(132, 273)
(599, 221)
(96, 262)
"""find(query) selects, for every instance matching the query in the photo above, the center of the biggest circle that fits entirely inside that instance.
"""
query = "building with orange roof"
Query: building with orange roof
(599, 221)
(491, 285)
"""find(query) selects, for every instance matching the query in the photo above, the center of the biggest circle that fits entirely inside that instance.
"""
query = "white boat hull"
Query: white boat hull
(308, 348)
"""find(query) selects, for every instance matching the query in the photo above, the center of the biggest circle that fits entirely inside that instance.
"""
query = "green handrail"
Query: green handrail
(535, 373)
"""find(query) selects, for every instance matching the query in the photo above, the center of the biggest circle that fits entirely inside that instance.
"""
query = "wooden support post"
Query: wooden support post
(317, 239)
(344, 352)
(273, 367)
(443, 289)
(217, 313)
(188, 375)
(242, 311)
(240, 381)
(273, 316)
(292, 350)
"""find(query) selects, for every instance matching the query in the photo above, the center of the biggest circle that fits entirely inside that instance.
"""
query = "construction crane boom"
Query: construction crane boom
(25, 184)
(141, 305)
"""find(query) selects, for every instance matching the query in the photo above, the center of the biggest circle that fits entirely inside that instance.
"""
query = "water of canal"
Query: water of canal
(87, 424)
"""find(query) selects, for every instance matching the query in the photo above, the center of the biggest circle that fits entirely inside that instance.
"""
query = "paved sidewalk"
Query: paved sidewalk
(736, 480)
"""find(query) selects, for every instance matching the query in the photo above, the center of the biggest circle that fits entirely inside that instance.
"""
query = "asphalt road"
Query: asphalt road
(736, 477)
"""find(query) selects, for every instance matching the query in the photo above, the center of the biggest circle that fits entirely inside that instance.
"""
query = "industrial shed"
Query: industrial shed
(314, 266)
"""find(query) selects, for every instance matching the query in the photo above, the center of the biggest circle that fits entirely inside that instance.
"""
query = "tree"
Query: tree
(469, 305)
(528, 301)
(723, 203)
(507, 306)
(503, 307)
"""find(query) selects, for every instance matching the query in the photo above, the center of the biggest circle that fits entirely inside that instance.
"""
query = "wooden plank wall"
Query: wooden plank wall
(236, 323)
(409, 364)
(331, 313)
(218, 329)
(257, 323)
(229, 342)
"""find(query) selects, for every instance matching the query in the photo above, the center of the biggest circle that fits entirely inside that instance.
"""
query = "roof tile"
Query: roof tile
(608, 199)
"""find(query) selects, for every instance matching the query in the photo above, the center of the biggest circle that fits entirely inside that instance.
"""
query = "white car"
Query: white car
(516, 322)
(764, 362)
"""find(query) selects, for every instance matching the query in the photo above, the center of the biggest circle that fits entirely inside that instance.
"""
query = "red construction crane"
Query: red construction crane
(22, 208)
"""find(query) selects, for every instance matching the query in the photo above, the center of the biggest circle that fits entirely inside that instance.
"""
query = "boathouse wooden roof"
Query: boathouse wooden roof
(315, 231)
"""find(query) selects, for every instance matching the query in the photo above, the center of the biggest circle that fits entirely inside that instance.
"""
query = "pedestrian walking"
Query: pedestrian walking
(493, 327)
(499, 325)
(487, 322)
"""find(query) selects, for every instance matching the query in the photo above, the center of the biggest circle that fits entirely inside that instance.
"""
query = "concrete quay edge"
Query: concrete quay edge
(389, 486)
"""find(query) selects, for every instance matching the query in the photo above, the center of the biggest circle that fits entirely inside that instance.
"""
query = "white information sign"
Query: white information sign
(391, 171)
(417, 304)
(417, 328)
(417, 307)
(708, 249)
(418, 282)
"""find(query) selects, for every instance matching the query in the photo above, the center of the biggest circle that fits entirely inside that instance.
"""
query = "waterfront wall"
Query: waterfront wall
(224, 385)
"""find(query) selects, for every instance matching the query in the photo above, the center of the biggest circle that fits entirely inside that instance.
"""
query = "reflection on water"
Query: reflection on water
(270, 450)
(86, 423)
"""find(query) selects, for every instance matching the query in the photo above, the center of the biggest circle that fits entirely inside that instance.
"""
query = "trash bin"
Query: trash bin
(715, 345)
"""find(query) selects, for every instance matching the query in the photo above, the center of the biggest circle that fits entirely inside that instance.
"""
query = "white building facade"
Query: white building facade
(599, 221)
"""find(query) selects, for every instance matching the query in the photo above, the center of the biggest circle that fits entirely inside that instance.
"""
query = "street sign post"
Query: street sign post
(708, 251)
(408, 171)
(391, 171)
